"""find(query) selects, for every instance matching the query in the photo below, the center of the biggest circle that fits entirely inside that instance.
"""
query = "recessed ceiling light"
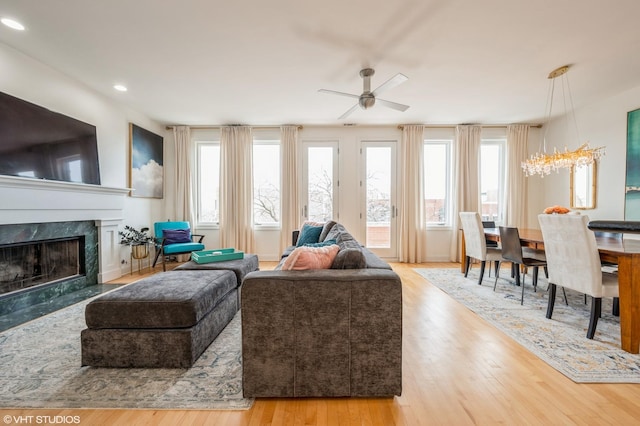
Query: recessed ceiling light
(120, 87)
(12, 23)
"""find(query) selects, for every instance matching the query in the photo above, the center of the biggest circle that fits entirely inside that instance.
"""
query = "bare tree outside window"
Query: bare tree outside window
(266, 182)
(320, 183)
(378, 202)
(266, 204)
(320, 196)
(209, 182)
(436, 182)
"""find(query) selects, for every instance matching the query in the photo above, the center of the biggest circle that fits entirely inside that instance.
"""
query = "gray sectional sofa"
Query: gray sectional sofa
(324, 332)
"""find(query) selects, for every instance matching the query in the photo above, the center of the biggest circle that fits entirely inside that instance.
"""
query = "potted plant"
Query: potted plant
(138, 240)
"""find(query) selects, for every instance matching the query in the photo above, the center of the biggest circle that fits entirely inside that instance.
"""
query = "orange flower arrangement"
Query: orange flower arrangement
(557, 210)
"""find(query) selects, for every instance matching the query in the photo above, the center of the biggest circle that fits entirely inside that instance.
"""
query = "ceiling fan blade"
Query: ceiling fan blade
(390, 84)
(333, 92)
(392, 105)
(348, 113)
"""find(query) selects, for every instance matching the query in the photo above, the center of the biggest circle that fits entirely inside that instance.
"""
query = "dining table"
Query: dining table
(624, 252)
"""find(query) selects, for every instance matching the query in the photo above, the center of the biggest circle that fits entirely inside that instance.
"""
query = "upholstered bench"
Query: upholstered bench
(166, 320)
(240, 267)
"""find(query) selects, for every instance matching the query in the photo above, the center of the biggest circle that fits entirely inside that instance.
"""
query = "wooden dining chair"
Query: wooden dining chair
(574, 262)
(512, 251)
(475, 243)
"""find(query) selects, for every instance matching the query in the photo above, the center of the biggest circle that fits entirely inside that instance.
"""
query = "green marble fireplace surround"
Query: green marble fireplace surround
(44, 292)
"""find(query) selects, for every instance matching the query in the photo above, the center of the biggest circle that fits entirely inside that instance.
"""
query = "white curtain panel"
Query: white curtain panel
(412, 237)
(183, 205)
(466, 176)
(236, 188)
(290, 205)
(516, 189)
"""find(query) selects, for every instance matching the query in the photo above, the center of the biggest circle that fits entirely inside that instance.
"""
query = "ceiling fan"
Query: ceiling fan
(369, 98)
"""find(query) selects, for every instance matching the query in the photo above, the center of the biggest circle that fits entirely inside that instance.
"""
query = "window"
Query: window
(492, 166)
(208, 183)
(437, 182)
(321, 182)
(266, 182)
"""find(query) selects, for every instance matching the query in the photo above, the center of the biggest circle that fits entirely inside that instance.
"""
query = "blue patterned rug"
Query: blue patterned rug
(40, 368)
(561, 341)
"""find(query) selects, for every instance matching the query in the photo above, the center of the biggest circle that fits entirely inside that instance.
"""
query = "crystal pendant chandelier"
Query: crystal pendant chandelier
(542, 163)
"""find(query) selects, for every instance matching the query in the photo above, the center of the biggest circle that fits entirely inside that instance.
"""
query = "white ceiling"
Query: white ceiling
(260, 62)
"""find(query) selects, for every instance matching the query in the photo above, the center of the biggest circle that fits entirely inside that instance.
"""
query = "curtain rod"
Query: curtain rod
(452, 126)
(172, 126)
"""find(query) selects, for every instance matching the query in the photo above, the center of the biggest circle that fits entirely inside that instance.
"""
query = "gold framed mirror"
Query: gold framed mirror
(583, 186)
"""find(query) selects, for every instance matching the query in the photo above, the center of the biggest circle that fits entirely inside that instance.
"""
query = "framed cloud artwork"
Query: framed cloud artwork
(146, 177)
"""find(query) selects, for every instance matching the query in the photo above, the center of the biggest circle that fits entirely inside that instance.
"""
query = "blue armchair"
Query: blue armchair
(172, 238)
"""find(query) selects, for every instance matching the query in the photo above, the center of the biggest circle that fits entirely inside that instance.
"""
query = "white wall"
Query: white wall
(28, 79)
(602, 124)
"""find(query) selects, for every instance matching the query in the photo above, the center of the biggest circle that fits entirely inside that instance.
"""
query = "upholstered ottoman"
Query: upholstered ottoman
(165, 321)
(240, 267)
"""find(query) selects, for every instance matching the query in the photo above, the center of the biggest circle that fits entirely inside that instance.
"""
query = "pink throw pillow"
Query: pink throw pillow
(311, 258)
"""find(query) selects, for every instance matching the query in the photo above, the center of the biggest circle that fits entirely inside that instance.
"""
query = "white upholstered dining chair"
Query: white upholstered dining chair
(475, 243)
(573, 262)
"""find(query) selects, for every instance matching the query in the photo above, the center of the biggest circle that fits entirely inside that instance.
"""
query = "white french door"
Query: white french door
(378, 197)
(320, 181)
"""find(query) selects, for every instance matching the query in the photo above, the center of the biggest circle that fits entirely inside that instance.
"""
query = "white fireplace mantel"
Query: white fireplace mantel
(26, 200)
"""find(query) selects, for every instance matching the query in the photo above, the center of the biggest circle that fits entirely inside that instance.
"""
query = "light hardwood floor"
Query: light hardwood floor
(457, 370)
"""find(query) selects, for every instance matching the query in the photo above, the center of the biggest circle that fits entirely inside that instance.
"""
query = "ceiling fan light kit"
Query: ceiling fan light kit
(368, 98)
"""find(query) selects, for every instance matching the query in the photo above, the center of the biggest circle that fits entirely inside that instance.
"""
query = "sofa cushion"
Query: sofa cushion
(349, 258)
(303, 258)
(335, 230)
(180, 248)
(350, 255)
(326, 228)
(287, 251)
(373, 261)
(309, 234)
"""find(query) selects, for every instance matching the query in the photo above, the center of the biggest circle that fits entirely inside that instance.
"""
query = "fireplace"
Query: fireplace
(31, 264)
(40, 261)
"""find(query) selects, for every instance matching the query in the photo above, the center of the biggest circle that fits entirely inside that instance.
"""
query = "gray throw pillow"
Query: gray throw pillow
(350, 255)
(349, 258)
(325, 230)
(335, 230)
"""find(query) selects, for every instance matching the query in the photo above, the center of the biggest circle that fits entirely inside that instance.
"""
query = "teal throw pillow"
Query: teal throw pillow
(309, 234)
(321, 244)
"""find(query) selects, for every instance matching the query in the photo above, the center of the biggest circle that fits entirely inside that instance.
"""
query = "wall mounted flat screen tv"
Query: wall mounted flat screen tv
(38, 143)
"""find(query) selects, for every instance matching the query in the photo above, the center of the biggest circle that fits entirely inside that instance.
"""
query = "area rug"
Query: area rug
(40, 368)
(561, 341)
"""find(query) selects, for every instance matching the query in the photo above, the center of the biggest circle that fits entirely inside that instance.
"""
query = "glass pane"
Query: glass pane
(490, 173)
(435, 182)
(378, 190)
(583, 186)
(209, 183)
(320, 169)
(266, 183)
